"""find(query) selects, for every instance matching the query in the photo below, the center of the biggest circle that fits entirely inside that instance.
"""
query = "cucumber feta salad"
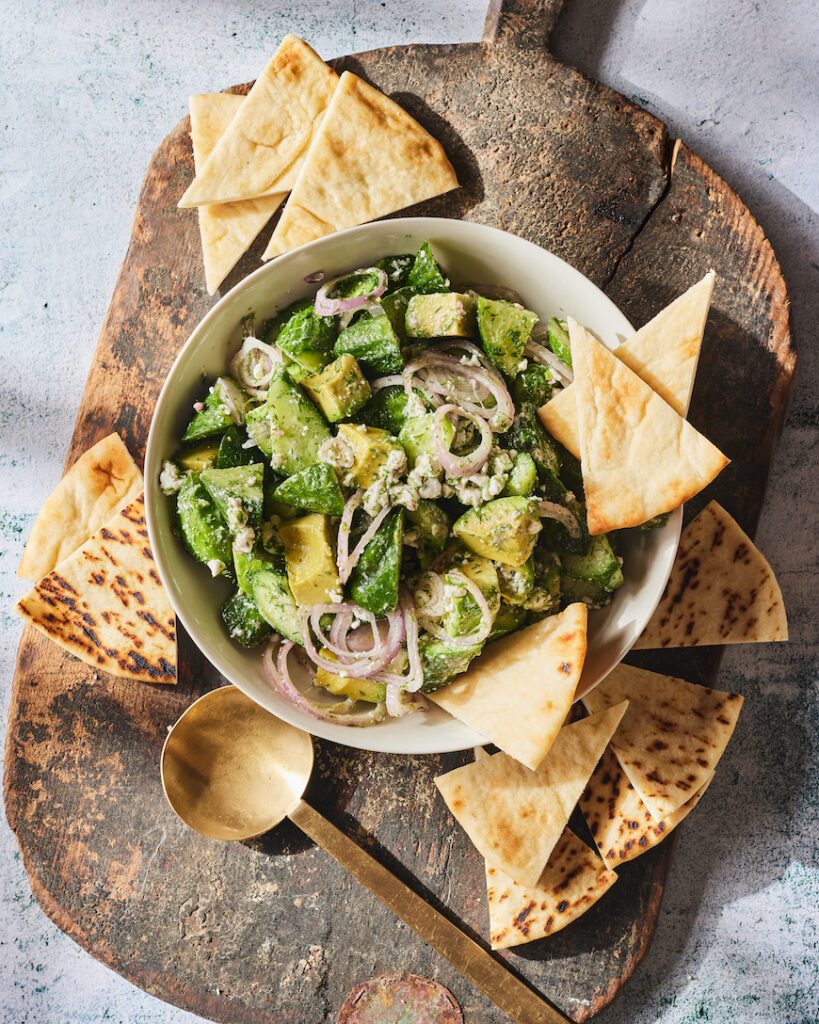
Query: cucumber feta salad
(373, 478)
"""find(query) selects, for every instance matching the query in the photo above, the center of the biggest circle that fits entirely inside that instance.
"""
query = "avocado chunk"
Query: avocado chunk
(291, 428)
(244, 623)
(204, 531)
(558, 337)
(416, 436)
(464, 616)
(522, 476)
(425, 276)
(226, 402)
(441, 661)
(441, 315)
(397, 269)
(544, 597)
(274, 599)
(375, 578)
(387, 409)
(344, 686)
(504, 329)
(340, 389)
(311, 564)
(198, 457)
(374, 343)
(509, 618)
(517, 581)
(429, 525)
(315, 489)
(303, 335)
(232, 451)
(240, 483)
(504, 530)
(598, 565)
(371, 449)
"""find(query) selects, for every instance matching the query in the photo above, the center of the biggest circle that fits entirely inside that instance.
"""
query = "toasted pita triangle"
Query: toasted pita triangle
(369, 158)
(721, 590)
(105, 603)
(227, 229)
(515, 816)
(262, 147)
(619, 821)
(639, 457)
(102, 480)
(664, 353)
(672, 736)
(573, 880)
(536, 669)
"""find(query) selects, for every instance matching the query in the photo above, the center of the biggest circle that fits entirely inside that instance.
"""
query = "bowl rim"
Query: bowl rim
(367, 739)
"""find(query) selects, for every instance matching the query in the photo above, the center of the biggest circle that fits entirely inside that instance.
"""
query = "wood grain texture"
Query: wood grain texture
(273, 930)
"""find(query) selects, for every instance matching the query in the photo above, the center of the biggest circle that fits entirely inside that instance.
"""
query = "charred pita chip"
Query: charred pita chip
(515, 816)
(105, 603)
(573, 880)
(369, 158)
(536, 669)
(664, 353)
(639, 457)
(619, 821)
(721, 590)
(102, 480)
(672, 736)
(262, 148)
(227, 230)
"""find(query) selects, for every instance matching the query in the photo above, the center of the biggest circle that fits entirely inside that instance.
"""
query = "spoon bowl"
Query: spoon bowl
(231, 770)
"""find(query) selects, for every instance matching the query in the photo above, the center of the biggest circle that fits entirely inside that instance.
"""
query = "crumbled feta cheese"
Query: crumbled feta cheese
(170, 479)
(216, 566)
(235, 514)
(415, 406)
(335, 451)
(245, 537)
(481, 487)
(336, 596)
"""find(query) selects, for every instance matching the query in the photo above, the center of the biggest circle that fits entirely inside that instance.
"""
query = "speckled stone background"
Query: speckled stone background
(87, 90)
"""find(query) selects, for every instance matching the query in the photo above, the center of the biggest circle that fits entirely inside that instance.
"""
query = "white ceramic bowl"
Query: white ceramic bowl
(468, 252)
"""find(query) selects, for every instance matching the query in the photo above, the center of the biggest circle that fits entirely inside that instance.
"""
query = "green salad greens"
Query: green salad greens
(372, 476)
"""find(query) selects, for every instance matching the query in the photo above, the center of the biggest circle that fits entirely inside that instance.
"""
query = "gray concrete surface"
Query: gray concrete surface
(87, 91)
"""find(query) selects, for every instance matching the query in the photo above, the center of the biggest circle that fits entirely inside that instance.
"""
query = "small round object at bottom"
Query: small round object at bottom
(400, 999)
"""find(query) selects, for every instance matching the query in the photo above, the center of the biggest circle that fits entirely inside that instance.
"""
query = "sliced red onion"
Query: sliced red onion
(546, 357)
(394, 380)
(315, 277)
(198, 406)
(551, 510)
(493, 291)
(343, 545)
(325, 305)
(460, 465)
(434, 583)
(228, 403)
(485, 627)
(279, 675)
(243, 365)
(352, 664)
(434, 360)
(415, 677)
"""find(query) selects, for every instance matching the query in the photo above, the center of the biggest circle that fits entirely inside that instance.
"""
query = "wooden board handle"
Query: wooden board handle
(521, 23)
(495, 980)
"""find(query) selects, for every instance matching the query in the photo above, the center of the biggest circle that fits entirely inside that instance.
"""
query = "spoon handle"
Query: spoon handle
(490, 975)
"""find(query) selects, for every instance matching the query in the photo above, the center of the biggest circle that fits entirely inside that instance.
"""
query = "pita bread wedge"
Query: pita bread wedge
(639, 457)
(664, 353)
(260, 151)
(721, 590)
(369, 158)
(672, 736)
(536, 669)
(619, 821)
(515, 816)
(102, 480)
(227, 229)
(106, 605)
(573, 881)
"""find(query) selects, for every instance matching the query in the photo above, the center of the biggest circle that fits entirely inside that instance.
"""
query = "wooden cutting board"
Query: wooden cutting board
(272, 930)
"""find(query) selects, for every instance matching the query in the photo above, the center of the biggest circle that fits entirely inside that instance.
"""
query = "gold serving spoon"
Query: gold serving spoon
(231, 770)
